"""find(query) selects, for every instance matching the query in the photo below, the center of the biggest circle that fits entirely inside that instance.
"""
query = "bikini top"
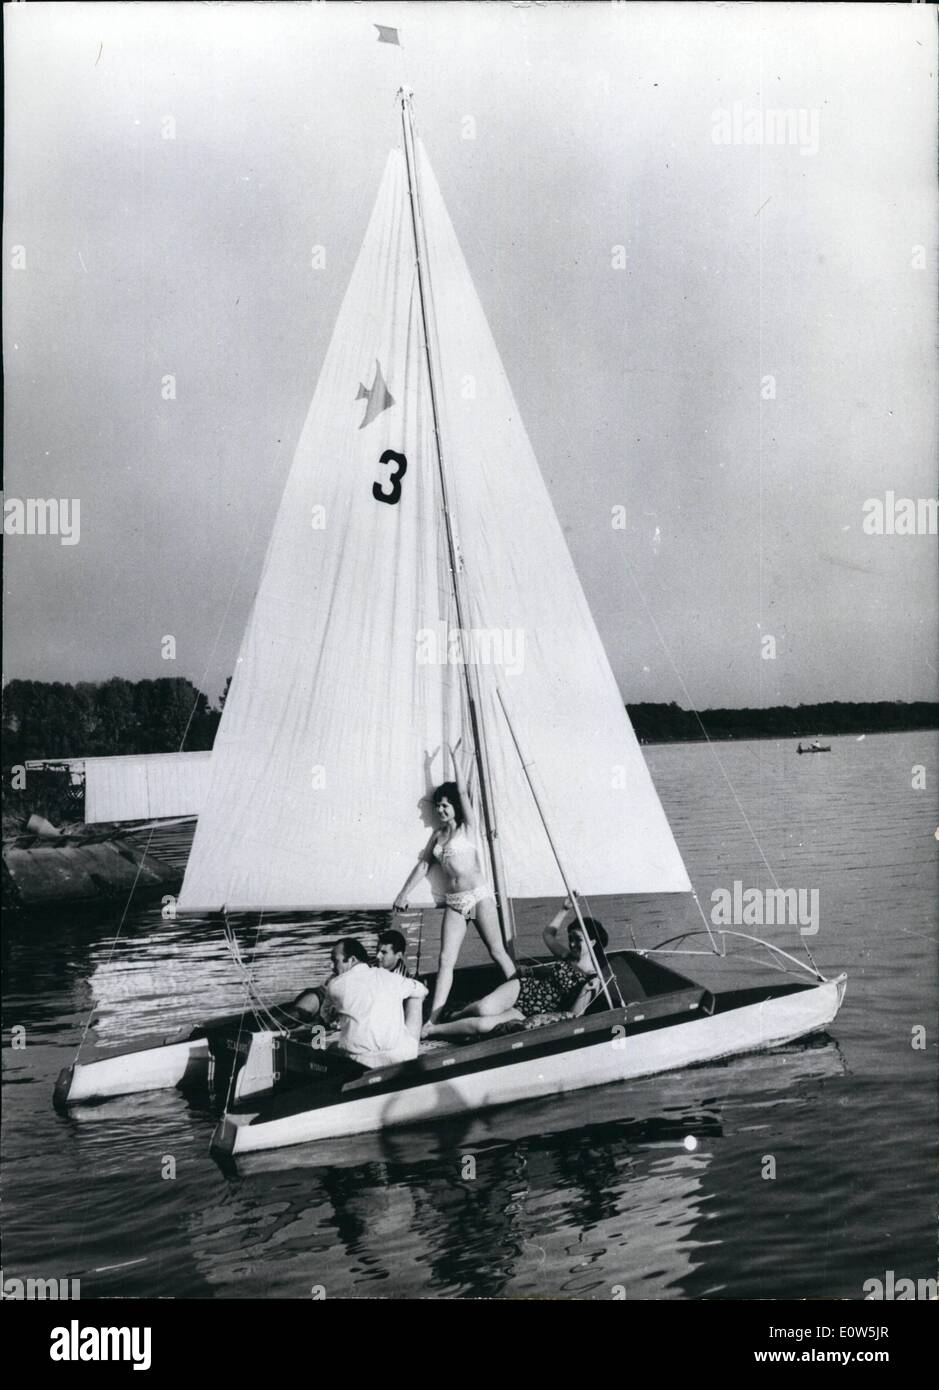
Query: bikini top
(458, 846)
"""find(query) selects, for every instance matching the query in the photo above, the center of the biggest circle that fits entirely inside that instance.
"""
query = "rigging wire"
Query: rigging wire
(469, 230)
(710, 743)
(182, 742)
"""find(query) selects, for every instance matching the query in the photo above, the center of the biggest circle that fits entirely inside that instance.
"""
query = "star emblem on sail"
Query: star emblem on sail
(377, 395)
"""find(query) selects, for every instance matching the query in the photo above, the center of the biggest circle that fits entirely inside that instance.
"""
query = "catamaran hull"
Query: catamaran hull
(182, 1060)
(750, 1028)
(154, 1069)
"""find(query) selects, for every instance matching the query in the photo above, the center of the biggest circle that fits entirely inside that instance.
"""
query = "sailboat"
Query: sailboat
(418, 592)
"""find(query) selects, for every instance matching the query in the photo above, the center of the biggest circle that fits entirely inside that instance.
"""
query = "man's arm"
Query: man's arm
(332, 999)
(413, 1005)
(414, 1016)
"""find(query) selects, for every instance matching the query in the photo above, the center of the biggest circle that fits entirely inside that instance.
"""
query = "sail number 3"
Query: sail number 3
(393, 481)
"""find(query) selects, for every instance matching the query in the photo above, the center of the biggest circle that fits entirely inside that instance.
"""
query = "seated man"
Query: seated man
(379, 1012)
(391, 953)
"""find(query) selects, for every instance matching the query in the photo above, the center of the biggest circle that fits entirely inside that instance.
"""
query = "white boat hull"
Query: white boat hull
(749, 1028)
(153, 1069)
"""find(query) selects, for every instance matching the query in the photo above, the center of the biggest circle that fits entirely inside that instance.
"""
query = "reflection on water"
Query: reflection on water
(499, 1204)
(658, 1188)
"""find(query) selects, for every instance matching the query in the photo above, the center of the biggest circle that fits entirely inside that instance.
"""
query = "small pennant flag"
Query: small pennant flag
(386, 35)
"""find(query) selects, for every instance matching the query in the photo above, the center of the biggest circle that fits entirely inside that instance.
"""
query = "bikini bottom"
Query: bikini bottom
(465, 903)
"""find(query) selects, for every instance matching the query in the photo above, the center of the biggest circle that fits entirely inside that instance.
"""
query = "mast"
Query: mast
(469, 671)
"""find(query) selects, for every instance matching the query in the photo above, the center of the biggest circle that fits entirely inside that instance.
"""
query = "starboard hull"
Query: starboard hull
(754, 1027)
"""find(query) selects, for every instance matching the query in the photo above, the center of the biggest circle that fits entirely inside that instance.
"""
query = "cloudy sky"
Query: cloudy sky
(558, 133)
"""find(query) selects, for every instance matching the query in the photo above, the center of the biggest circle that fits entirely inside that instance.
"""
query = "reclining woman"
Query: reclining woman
(568, 985)
(470, 898)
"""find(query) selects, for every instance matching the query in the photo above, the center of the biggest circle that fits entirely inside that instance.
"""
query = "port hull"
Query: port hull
(160, 1068)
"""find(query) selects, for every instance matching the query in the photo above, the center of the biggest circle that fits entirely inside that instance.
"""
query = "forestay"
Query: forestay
(562, 697)
(344, 692)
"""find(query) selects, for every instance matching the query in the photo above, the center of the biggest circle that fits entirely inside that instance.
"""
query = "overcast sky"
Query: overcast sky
(593, 127)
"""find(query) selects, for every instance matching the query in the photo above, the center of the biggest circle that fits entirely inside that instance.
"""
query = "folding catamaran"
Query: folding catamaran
(417, 591)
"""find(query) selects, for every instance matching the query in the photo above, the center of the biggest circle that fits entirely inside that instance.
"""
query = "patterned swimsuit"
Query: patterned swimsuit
(547, 989)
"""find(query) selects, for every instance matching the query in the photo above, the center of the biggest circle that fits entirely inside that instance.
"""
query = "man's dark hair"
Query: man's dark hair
(394, 939)
(352, 949)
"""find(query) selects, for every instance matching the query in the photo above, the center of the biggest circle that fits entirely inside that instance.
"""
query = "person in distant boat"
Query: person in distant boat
(378, 1011)
(569, 985)
(391, 953)
(470, 898)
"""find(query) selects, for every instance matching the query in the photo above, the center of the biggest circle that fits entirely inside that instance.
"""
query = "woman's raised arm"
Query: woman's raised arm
(552, 932)
(469, 815)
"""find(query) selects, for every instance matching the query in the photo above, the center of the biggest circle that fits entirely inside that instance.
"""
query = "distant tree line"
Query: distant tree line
(94, 719)
(99, 719)
(669, 723)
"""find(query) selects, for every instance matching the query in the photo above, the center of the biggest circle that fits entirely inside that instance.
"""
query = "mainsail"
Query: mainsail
(348, 687)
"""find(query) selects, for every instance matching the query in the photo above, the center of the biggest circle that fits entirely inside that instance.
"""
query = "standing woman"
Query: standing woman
(470, 898)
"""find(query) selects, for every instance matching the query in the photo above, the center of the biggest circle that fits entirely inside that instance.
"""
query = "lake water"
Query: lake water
(656, 1189)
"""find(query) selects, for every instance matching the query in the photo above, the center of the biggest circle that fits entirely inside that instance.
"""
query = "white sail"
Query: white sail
(145, 786)
(332, 730)
(344, 694)
(562, 697)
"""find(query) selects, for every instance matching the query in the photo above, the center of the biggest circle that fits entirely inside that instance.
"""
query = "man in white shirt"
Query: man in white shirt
(379, 1012)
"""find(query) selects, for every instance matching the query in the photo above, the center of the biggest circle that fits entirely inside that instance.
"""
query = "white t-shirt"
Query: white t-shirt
(369, 1003)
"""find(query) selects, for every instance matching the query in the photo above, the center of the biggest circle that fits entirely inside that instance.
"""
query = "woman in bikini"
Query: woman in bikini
(569, 985)
(470, 898)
